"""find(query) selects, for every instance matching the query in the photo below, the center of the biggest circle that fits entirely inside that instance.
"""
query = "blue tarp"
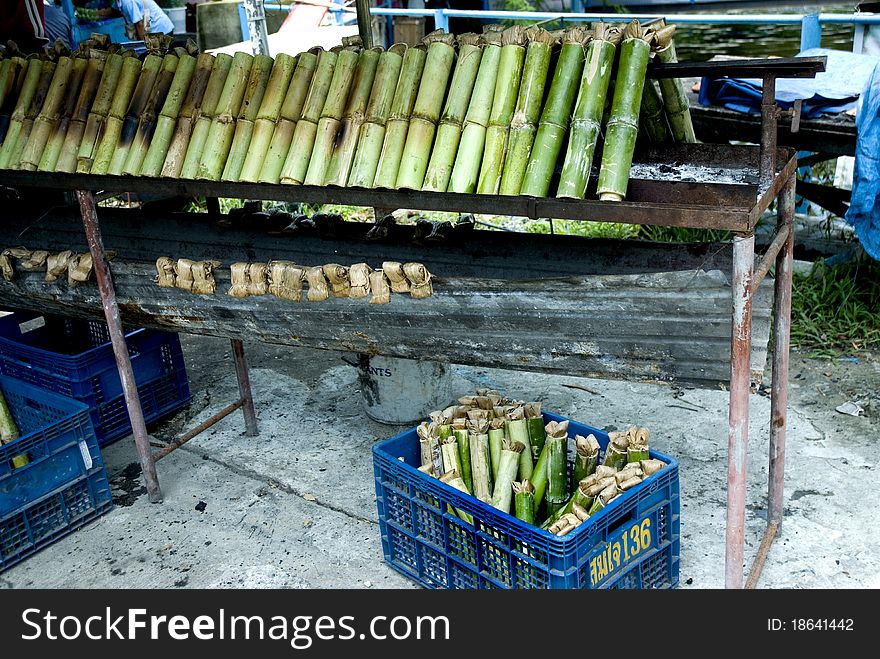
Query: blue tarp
(864, 209)
(835, 90)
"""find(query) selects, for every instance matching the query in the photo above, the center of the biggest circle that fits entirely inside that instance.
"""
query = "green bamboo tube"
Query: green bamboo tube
(219, 138)
(524, 501)
(198, 109)
(478, 440)
(331, 115)
(76, 128)
(586, 458)
(510, 70)
(139, 99)
(9, 432)
(7, 79)
(296, 163)
(398, 119)
(675, 99)
(496, 438)
(653, 116)
(426, 111)
(165, 123)
(535, 426)
(557, 473)
(58, 130)
(270, 109)
(439, 170)
(637, 451)
(33, 77)
(518, 431)
(261, 71)
(49, 113)
(616, 451)
(453, 479)
(146, 125)
(11, 79)
(98, 112)
(502, 494)
(553, 124)
(353, 118)
(523, 124)
(579, 497)
(462, 440)
(623, 124)
(43, 88)
(372, 133)
(466, 168)
(586, 123)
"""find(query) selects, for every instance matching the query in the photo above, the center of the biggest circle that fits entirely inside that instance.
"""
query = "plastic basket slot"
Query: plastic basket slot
(14, 536)
(429, 525)
(397, 508)
(433, 566)
(391, 480)
(46, 517)
(461, 577)
(491, 531)
(78, 500)
(427, 498)
(528, 549)
(527, 575)
(494, 561)
(461, 542)
(403, 549)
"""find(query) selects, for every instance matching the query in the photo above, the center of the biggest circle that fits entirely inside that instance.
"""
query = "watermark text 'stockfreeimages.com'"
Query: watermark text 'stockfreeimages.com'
(300, 631)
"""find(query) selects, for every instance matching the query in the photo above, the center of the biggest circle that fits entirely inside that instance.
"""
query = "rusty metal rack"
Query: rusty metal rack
(739, 185)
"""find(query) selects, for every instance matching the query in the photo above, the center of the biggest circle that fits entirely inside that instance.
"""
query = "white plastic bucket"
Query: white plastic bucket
(178, 17)
(401, 391)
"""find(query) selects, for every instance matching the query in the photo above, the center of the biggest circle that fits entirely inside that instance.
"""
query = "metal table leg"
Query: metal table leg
(89, 214)
(244, 389)
(738, 416)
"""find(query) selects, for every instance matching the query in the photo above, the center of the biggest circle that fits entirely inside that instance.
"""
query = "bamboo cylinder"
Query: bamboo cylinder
(623, 125)
(32, 78)
(462, 440)
(653, 116)
(76, 129)
(58, 130)
(496, 438)
(535, 425)
(47, 74)
(331, 116)
(219, 138)
(372, 133)
(8, 427)
(426, 111)
(675, 99)
(586, 124)
(523, 124)
(503, 104)
(478, 441)
(553, 124)
(469, 156)
(267, 117)
(355, 110)
(12, 72)
(557, 477)
(502, 494)
(258, 80)
(398, 119)
(524, 501)
(296, 163)
(49, 113)
(439, 170)
(110, 79)
(209, 110)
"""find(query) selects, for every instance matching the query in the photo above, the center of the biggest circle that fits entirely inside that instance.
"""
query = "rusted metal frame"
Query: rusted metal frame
(770, 194)
(202, 427)
(738, 413)
(244, 388)
(780, 67)
(769, 258)
(761, 556)
(89, 213)
(769, 118)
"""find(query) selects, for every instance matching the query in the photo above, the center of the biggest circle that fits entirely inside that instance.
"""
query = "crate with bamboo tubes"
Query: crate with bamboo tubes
(558, 517)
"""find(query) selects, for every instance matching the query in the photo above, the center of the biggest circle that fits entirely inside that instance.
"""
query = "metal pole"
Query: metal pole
(256, 19)
(769, 116)
(244, 388)
(117, 337)
(782, 335)
(811, 32)
(738, 415)
(365, 22)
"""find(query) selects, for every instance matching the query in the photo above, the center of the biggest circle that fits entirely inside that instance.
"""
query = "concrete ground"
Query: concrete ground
(295, 507)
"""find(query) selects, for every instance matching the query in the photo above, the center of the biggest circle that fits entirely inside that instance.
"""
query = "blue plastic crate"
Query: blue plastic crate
(631, 543)
(57, 437)
(75, 358)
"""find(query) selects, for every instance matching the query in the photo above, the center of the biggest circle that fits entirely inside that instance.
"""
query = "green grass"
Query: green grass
(837, 308)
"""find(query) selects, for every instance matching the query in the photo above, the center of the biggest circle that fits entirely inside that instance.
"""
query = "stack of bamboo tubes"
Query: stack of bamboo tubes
(474, 113)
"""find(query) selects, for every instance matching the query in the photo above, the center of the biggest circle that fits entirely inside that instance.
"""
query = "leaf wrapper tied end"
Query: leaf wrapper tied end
(318, 288)
(6, 265)
(340, 286)
(285, 280)
(381, 291)
(394, 272)
(196, 276)
(79, 269)
(651, 466)
(57, 264)
(166, 272)
(248, 279)
(359, 275)
(419, 279)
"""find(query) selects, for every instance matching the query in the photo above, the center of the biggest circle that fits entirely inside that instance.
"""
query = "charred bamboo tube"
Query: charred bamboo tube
(55, 142)
(502, 494)
(267, 118)
(111, 127)
(331, 115)
(49, 114)
(653, 116)
(469, 156)
(219, 139)
(586, 124)
(99, 110)
(675, 99)
(553, 124)
(353, 118)
(258, 80)
(623, 124)
(201, 125)
(149, 115)
(139, 98)
(296, 163)
(398, 120)
(33, 76)
(510, 70)
(295, 103)
(524, 501)
(372, 133)
(523, 124)
(165, 123)
(76, 128)
(449, 131)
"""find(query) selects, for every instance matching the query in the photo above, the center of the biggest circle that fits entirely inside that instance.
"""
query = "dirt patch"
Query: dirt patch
(126, 486)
